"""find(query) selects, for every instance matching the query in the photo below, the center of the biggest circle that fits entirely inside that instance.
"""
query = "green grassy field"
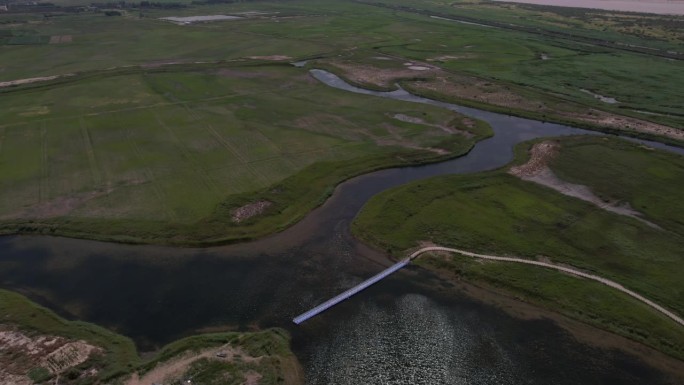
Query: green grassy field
(327, 28)
(120, 357)
(500, 214)
(162, 130)
(146, 157)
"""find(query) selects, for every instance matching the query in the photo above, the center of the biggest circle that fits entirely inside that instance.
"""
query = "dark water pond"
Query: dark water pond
(412, 328)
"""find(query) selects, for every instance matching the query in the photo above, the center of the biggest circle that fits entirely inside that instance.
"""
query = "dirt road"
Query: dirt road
(564, 269)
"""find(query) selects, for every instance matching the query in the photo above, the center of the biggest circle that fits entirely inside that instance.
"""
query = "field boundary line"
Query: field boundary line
(195, 164)
(90, 150)
(44, 182)
(279, 150)
(229, 146)
(564, 269)
(150, 175)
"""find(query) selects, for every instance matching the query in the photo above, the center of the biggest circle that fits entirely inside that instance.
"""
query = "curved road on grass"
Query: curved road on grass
(564, 269)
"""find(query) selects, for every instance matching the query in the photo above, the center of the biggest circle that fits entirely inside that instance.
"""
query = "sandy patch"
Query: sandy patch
(20, 352)
(537, 171)
(19, 82)
(199, 19)
(383, 77)
(172, 370)
(252, 378)
(249, 210)
(68, 355)
(271, 57)
(606, 119)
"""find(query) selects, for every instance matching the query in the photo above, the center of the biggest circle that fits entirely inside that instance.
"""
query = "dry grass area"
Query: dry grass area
(56, 207)
(20, 353)
(537, 171)
(479, 90)
(483, 91)
(18, 82)
(271, 57)
(382, 77)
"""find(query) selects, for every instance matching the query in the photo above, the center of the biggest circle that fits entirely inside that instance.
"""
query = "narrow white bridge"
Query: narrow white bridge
(341, 297)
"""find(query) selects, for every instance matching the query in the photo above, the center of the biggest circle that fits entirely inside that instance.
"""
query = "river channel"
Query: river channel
(412, 328)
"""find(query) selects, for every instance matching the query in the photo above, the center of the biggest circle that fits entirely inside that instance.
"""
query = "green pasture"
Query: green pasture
(500, 214)
(168, 148)
(306, 28)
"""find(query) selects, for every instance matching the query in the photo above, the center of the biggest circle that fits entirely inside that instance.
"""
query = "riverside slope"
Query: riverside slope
(564, 269)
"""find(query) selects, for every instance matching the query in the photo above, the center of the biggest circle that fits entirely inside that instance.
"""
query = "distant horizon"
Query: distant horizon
(661, 7)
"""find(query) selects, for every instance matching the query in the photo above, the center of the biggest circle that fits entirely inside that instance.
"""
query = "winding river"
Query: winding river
(413, 328)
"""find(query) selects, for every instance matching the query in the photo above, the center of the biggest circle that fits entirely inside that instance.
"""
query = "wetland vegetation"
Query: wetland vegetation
(499, 213)
(134, 129)
(163, 135)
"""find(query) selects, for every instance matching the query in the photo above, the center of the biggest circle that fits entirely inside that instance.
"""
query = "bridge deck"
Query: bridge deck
(341, 297)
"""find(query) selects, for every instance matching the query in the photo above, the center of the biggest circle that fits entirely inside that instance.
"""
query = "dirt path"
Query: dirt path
(564, 269)
(176, 367)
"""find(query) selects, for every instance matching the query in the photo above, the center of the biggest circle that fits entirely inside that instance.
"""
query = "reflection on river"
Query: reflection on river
(413, 328)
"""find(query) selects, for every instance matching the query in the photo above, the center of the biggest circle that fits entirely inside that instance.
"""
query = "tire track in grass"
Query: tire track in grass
(229, 146)
(243, 162)
(196, 165)
(149, 174)
(90, 151)
(44, 182)
(282, 156)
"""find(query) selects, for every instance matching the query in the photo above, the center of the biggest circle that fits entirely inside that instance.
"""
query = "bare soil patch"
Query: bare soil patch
(252, 378)
(537, 171)
(169, 371)
(19, 353)
(271, 57)
(382, 77)
(444, 58)
(249, 210)
(480, 90)
(19, 82)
